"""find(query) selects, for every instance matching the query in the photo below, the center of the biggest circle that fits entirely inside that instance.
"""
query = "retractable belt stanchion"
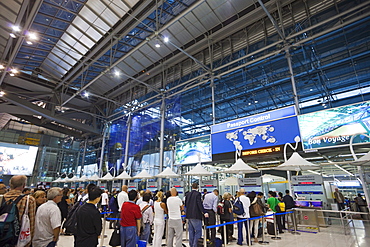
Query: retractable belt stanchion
(275, 225)
(263, 242)
(102, 236)
(205, 235)
(225, 235)
(294, 223)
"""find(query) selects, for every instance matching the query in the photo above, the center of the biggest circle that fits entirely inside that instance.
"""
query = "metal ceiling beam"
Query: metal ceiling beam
(50, 126)
(30, 17)
(47, 114)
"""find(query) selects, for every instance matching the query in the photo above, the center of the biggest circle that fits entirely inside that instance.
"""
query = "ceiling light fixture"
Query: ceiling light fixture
(16, 28)
(2, 93)
(86, 94)
(13, 35)
(166, 39)
(2, 66)
(157, 45)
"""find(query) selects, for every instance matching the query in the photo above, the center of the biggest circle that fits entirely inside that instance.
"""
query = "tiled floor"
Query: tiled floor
(332, 236)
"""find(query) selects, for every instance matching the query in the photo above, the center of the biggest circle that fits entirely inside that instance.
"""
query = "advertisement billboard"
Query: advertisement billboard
(17, 159)
(191, 150)
(334, 127)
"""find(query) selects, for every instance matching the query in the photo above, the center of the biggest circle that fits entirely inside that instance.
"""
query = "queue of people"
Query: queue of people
(142, 215)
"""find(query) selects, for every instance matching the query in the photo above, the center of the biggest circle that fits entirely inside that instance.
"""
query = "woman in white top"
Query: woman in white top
(159, 210)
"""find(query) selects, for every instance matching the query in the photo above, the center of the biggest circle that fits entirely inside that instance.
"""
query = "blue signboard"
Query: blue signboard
(255, 119)
(335, 126)
(266, 134)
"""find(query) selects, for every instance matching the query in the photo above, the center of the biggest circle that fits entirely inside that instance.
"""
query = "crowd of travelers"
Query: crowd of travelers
(140, 215)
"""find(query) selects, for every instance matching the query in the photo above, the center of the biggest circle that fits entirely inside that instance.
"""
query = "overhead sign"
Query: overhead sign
(178, 184)
(254, 137)
(306, 180)
(335, 126)
(132, 186)
(152, 185)
(208, 183)
(250, 181)
(255, 119)
(276, 149)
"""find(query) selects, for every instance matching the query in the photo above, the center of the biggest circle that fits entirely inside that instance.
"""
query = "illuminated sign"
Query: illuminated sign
(189, 151)
(208, 183)
(264, 138)
(261, 151)
(307, 179)
(250, 181)
(335, 126)
(255, 119)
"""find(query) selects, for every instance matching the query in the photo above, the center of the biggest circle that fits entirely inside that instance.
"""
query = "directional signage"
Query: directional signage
(306, 179)
(250, 181)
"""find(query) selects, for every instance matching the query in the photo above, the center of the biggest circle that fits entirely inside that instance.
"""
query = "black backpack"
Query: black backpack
(9, 222)
(71, 220)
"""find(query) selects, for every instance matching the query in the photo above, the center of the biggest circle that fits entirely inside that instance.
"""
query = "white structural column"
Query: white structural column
(105, 131)
(161, 143)
(360, 171)
(129, 122)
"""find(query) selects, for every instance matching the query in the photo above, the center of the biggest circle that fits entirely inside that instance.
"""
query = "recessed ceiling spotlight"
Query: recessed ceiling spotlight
(86, 94)
(29, 42)
(256, 101)
(13, 35)
(2, 93)
(116, 73)
(16, 28)
(32, 36)
(157, 45)
(166, 39)
(14, 71)
(2, 66)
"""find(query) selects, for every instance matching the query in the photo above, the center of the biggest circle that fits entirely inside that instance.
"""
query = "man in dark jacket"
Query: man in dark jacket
(289, 204)
(194, 214)
(89, 224)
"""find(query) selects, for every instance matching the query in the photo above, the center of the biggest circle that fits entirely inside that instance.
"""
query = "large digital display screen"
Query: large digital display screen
(334, 127)
(254, 137)
(17, 159)
(189, 151)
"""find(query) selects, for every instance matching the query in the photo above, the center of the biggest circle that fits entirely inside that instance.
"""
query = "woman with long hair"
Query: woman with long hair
(159, 210)
(40, 198)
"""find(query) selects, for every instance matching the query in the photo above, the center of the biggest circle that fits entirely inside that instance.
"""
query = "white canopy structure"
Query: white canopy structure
(123, 176)
(167, 173)
(94, 177)
(240, 167)
(231, 181)
(106, 177)
(297, 163)
(364, 160)
(58, 180)
(198, 170)
(144, 175)
(267, 178)
(84, 178)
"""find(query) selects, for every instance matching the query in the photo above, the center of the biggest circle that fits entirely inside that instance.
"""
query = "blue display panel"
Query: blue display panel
(188, 151)
(273, 133)
(334, 127)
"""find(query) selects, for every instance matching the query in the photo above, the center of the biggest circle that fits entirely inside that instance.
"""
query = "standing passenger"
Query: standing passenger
(194, 213)
(147, 216)
(174, 205)
(89, 224)
(246, 203)
(210, 205)
(130, 220)
(159, 210)
(48, 220)
(339, 198)
(122, 197)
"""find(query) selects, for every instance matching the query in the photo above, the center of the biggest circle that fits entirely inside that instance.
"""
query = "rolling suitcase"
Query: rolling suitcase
(271, 228)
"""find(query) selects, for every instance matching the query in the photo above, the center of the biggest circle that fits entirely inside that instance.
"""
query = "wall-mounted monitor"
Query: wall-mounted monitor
(190, 150)
(335, 126)
(17, 159)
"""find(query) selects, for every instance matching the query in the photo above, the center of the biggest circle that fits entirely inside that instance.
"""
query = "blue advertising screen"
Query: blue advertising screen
(334, 127)
(266, 134)
(191, 150)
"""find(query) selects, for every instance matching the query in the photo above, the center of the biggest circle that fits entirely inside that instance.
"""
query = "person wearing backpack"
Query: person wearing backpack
(225, 216)
(17, 184)
(273, 202)
(244, 214)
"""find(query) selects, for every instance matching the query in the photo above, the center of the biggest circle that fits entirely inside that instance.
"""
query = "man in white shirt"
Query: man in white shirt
(48, 220)
(147, 216)
(104, 200)
(122, 197)
(174, 205)
(246, 203)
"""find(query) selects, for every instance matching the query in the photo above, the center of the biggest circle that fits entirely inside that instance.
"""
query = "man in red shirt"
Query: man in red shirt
(130, 221)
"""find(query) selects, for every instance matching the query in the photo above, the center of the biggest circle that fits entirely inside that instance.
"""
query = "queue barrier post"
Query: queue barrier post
(294, 223)
(205, 235)
(102, 236)
(275, 225)
(263, 242)
(225, 235)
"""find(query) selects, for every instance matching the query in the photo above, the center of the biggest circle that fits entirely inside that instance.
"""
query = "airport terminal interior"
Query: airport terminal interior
(266, 95)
